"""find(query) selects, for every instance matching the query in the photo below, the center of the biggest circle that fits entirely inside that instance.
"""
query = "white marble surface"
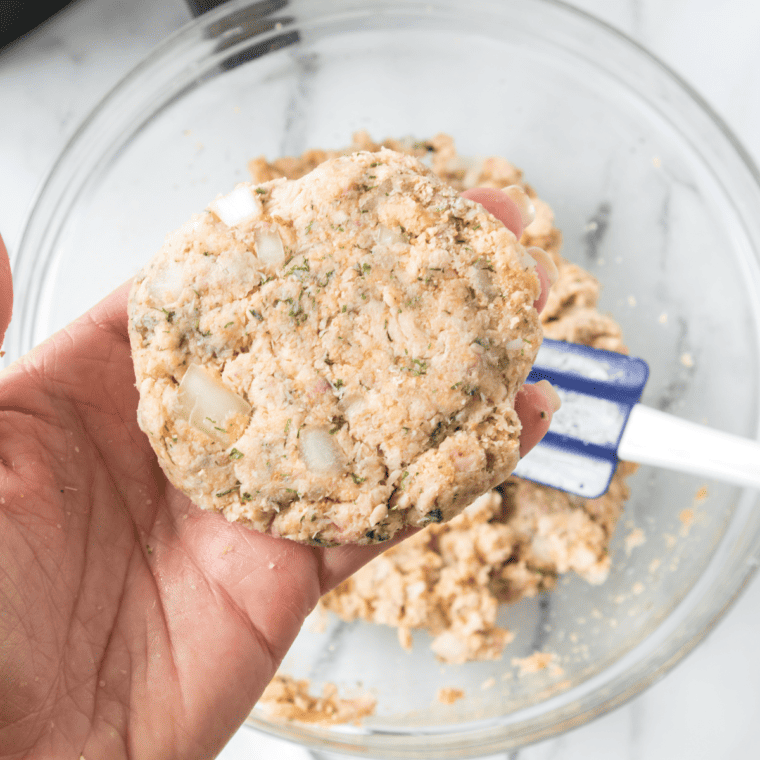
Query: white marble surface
(708, 706)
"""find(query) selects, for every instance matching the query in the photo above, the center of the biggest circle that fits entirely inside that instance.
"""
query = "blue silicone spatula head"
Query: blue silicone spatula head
(598, 389)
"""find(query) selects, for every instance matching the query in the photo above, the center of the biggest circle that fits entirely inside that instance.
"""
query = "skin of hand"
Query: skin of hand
(133, 624)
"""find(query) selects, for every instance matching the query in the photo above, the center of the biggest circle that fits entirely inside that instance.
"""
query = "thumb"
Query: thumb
(6, 291)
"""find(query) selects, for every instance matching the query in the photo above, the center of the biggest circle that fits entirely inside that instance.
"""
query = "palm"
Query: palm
(131, 623)
(135, 610)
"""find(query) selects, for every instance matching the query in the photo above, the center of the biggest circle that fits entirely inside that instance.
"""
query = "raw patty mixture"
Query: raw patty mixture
(515, 541)
(335, 357)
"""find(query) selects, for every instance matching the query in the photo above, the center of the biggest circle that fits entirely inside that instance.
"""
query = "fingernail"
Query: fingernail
(546, 261)
(551, 394)
(518, 196)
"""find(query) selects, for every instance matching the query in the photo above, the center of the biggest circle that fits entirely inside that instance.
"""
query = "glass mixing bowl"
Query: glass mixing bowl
(653, 196)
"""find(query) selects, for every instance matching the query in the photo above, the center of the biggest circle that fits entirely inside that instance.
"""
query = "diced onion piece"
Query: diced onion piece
(269, 248)
(387, 236)
(166, 285)
(236, 206)
(380, 512)
(517, 344)
(483, 281)
(207, 404)
(352, 406)
(320, 452)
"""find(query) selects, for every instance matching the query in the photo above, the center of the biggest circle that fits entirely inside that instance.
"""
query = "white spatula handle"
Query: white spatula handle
(656, 438)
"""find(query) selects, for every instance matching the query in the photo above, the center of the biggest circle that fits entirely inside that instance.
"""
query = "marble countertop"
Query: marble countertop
(708, 706)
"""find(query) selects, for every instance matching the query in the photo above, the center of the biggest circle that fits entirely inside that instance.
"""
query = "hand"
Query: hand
(132, 624)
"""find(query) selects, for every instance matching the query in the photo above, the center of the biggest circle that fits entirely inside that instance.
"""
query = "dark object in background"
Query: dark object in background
(17, 17)
(198, 7)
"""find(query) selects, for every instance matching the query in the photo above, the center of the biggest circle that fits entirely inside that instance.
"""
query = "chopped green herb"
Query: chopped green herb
(228, 491)
(418, 366)
(483, 262)
(327, 279)
(357, 479)
(299, 268)
(261, 190)
(466, 388)
(257, 315)
(421, 367)
(235, 454)
(338, 422)
(169, 315)
(287, 427)
(213, 422)
(229, 324)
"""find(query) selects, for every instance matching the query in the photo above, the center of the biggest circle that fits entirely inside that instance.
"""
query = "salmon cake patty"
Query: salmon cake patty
(336, 357)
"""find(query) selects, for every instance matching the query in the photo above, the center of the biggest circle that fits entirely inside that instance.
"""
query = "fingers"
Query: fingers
(500, 205)
(111, 312)
(514, 209)
(338, 563)
(6, 291)
(535, 405)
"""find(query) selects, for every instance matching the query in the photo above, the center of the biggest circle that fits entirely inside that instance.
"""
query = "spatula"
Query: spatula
(601, 421)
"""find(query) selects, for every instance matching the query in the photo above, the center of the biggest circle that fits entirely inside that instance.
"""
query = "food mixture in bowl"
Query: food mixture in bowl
(513, 542)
